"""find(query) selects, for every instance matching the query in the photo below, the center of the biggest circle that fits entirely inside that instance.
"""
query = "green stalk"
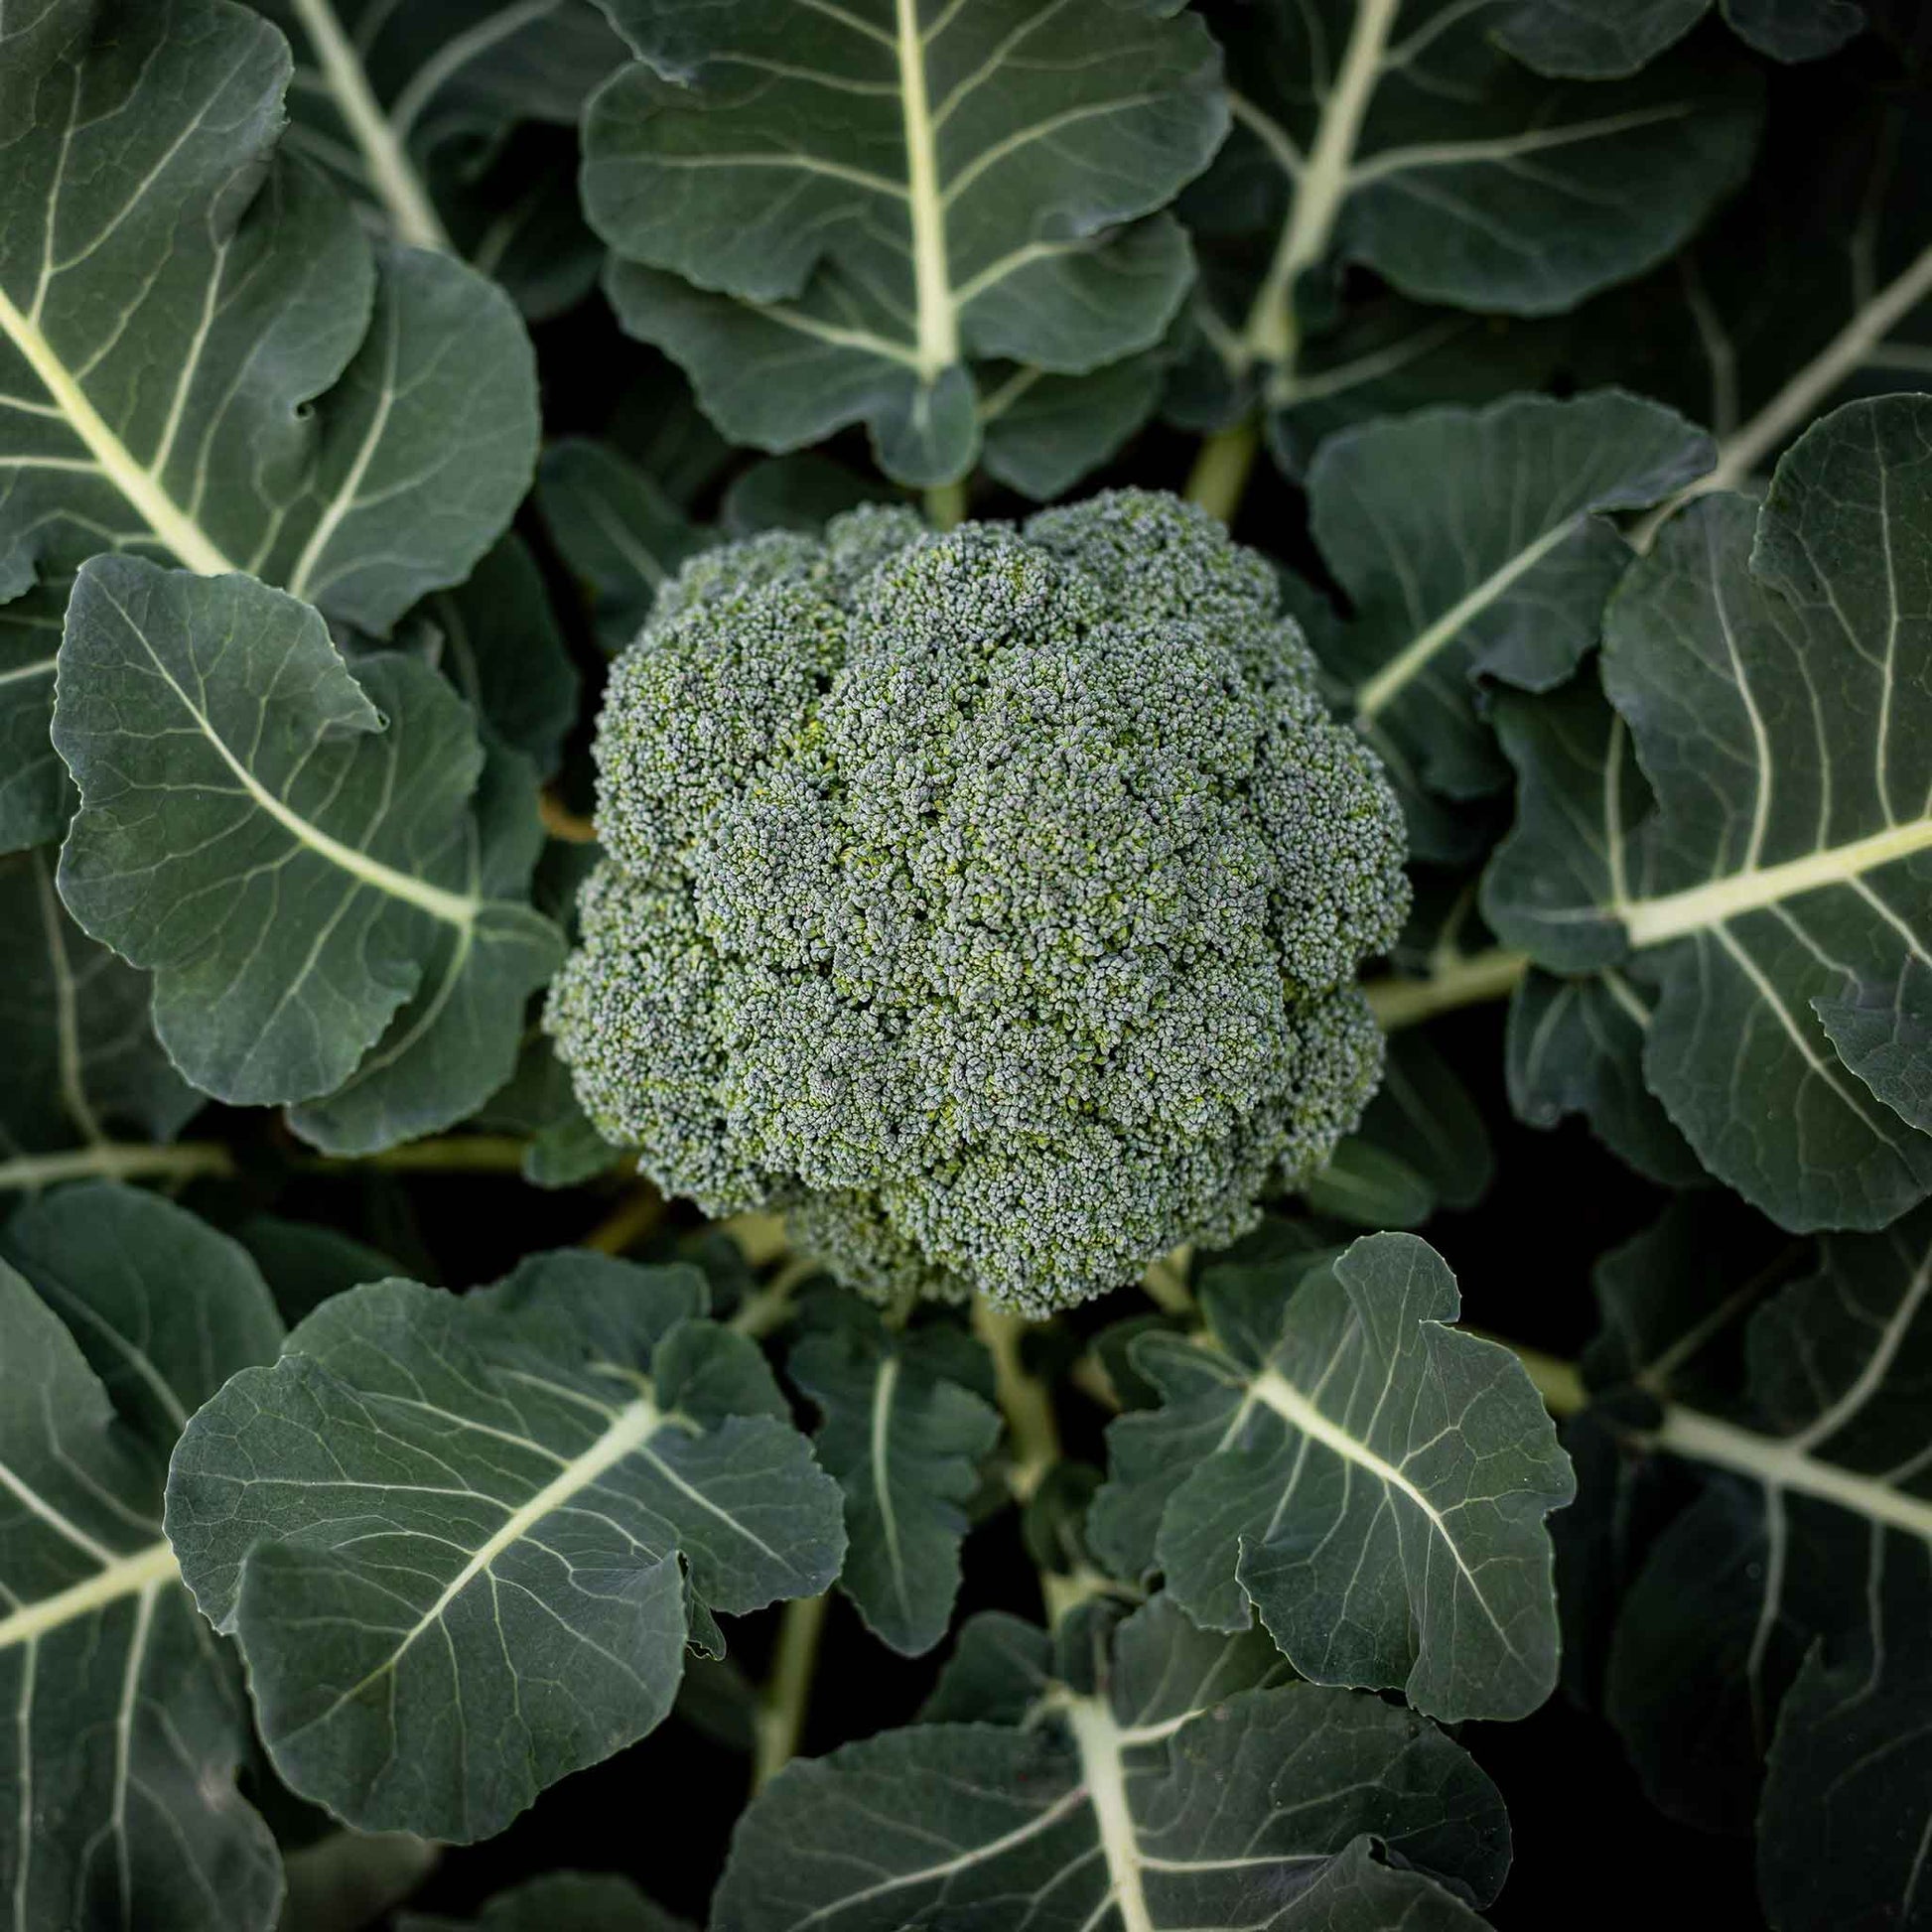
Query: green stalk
(1222, 469)
(788, 1687)
(946, 504)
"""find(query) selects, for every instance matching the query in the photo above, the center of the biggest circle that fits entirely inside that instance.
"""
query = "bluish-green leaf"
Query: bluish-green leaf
(463, 1541)
(1373, 1482)
(293, 853)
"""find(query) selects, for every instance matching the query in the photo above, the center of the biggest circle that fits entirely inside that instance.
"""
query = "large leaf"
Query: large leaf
(203, 360)
(1617, 36)
(293, 852)
(559, 1902)
(1783, 1604)
(1398, 133)
(833, 215)
(1160, 1786)
(82, 1062)
(909, 1421)
(1371, 1482)
(620, 532)
(409, 105)
(463, 1541)
(118, 1804)
(1769, 670)
(1475, 544)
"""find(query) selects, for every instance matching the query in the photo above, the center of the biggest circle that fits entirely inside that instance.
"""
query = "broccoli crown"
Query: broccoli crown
(991, 900)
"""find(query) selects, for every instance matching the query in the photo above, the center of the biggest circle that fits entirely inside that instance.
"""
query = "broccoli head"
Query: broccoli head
(991, 900)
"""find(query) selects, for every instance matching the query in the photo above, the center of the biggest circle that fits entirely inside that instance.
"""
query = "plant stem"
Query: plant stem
(1166, 1281)
(946, 504)
(770, 1307)
(563, 823)
(448, 1153)
(1403, 999)
(1023, 1399)
(761, 1236)
(117, 1161)
(628, 1222)
(1222, 469)
(788, 1687)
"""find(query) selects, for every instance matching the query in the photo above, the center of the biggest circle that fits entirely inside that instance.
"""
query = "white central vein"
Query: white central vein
(1675, 915)
(1098, 1741)
(454, 909)
(1408, 663)
(1784, 1464)
(932, 273)
(629, 1431)
(391, 174)
(169, 522)
(121, 1577)
(885, 1384)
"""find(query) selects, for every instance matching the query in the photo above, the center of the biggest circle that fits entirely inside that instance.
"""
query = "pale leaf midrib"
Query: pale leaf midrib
(629, 1429)
(170, 524)
(1097, 1738)
(453, 909)
(1783, 1464)
(1376, 694)
(125, 1576)
(938, 321)
(1679, 916)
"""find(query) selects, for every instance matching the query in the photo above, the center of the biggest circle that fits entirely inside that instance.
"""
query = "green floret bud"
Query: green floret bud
(991, 900)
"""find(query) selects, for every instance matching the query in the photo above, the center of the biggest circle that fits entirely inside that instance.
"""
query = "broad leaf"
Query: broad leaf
(905, 1435)
(1398, 134)
(408, 105)
(559, 1902)
(293, 852)
(204, 360)
(621, 534)
(1768, 671)
(463, 1541)
(1042, 433)
(1372, 1482)
(1617, 36)
(1783, 1603)
(833, 215)
(82, 1062)
(128, 1723)
(1147, 1788)
(1425, 1117)
(1474, 544)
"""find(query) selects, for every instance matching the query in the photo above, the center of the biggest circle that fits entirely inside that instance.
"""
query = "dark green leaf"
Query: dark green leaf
(905, 1441)
(830, 216)
(1159, 1792)
(1768, 671)
(1371, 1482)
(515, 1509)
(293, 852)
(560, 1902)
(1617, 36)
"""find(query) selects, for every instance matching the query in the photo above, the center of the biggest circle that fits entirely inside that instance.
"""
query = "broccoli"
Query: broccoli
(989, 900)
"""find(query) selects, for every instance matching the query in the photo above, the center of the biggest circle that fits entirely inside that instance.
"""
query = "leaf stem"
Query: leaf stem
(563, 823)
(1024, 1398)
(946, 504)
(1166, 1281)
(633, 1217)
(1222, 468)
(787, 1692)
(1459, 980)
(118, 1160)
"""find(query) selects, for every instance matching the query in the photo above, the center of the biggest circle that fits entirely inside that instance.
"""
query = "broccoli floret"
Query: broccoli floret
(990, 900)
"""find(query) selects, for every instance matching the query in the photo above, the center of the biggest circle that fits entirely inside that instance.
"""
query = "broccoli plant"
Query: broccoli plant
(964, 964)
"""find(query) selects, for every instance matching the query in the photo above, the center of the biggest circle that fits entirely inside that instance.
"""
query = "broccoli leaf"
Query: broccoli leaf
(413, 107)
(1768, 670)
(292, 852)
(1474, 544)
(1150, 1787)
(560, 1902)
(1398, 134)
(1427, 1126)
(80, 1054)
(832, 218)
(1610, 38)
(1793, 1421)
(904, 1436)
(513, 1508)
(117, 1774)
(621, 534)
(1371, 1482)
(203, 360)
